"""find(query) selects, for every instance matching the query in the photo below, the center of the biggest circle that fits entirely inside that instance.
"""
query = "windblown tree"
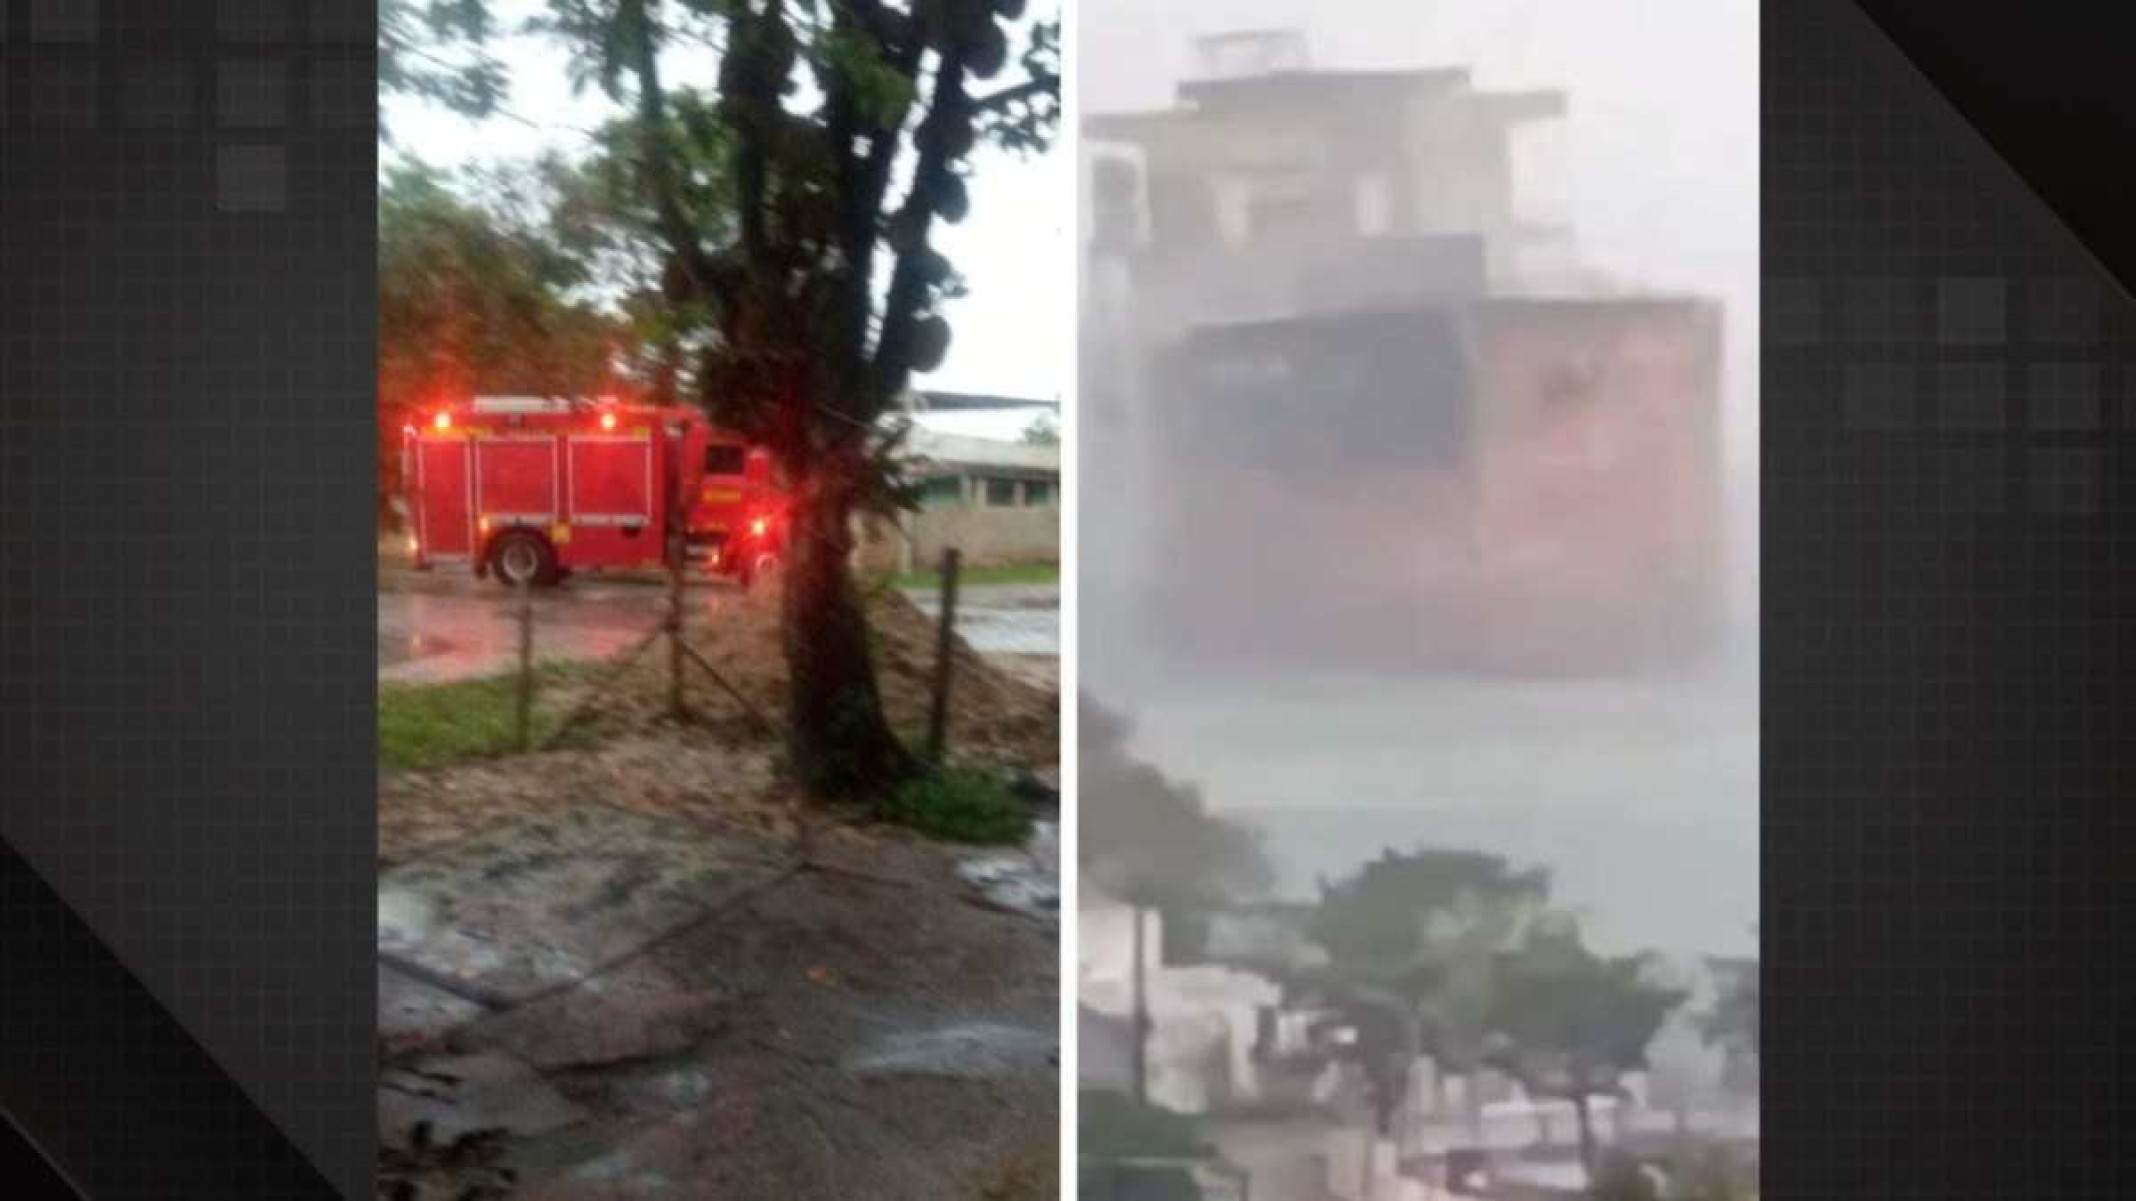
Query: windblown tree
(1568, 1023)
(795, 202)
(1149, 841)
(436, 50)
(1733, 1022)
(1043, 432)
(476, 298)
(1457, 955)
(1412, 940)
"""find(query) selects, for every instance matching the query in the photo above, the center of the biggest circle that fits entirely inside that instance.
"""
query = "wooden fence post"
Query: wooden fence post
(938, 718)
(523, 715)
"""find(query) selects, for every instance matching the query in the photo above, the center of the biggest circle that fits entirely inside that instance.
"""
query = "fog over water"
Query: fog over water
(1639, 792)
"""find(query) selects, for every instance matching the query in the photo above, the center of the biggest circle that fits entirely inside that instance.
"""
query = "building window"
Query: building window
(1292, 209)
(1000, 493)
(1038, 494)
(941, 491)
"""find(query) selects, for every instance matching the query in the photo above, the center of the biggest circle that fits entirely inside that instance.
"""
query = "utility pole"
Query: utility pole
(1141, 1019)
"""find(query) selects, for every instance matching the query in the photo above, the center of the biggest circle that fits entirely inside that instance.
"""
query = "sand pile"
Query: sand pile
(725, 769)
(994, 714)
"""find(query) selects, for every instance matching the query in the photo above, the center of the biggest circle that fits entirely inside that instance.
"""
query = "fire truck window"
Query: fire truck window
(1000, 493)
(725, 460)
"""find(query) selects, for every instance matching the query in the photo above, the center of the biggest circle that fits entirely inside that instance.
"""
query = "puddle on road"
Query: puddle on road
(965, 1049)
(1011, 632)
(404, 918)
(395, 649)
(1027, 879)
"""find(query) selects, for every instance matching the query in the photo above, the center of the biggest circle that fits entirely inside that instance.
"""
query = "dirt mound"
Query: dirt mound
(995, 715)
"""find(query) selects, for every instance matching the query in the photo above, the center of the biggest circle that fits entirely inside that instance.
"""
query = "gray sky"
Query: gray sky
(1010, 333)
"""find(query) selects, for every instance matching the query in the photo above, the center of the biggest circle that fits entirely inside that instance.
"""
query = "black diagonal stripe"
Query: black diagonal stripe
(27, 1169)
(108, 1084)
(2047, 85)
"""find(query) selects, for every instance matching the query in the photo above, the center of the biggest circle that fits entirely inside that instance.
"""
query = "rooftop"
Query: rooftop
(965, 401)
(960, 450)
(1202, 100)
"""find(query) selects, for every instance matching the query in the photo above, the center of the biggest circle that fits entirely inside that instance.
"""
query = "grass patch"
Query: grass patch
(960, 804)
(1028, 573)
(433, 725)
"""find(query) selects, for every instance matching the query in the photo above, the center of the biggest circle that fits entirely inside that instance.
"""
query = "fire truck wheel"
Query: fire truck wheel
(521, 558)
(757, 567)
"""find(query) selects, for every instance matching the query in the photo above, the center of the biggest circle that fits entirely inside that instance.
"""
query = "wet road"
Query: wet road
(452, 633)
(456, 629)
(1008, 619)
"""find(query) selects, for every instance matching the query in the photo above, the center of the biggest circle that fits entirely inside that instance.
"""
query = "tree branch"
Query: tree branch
(673, 218)
(864, 179)
(947, 110)
(746, 83)
(1002, 100)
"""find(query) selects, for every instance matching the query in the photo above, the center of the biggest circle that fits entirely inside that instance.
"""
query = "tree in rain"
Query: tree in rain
(795, 201)
(1412, 940)
(475, 298)
(1147, 836)
(1150, 841)
(1043, 432)
(1732, 1023)
(776, 184)
(436, 50)
(1568, 1023)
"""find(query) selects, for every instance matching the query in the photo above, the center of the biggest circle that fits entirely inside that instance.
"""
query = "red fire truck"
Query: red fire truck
(530, 489)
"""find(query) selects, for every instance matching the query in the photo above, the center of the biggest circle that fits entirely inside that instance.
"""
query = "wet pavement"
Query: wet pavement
(993, 629)
(471, 628)
(1027, 879)
(437, 628)
(610, 1004)
(545, 903)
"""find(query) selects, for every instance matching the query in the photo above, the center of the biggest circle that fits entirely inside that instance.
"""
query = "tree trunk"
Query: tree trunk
(1141, 1016)
(840, 741)
(1406, 1076)
(1587, 1132)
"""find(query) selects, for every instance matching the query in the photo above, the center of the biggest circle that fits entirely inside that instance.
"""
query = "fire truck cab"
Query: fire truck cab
(530, 489)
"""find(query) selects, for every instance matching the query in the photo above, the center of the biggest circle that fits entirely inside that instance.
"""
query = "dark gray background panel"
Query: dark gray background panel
(187, 658)
(1947, 671)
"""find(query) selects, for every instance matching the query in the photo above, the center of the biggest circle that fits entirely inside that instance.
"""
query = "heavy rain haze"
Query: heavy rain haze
(1315, 647)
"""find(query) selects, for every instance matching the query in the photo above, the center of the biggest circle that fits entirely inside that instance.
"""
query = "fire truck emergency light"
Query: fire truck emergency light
(608, 421)
(758, 527)
(442, 421)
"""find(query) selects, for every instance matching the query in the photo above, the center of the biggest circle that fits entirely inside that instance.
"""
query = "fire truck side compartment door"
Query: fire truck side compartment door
(517, 478)
(443, 513)
(612, 480)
